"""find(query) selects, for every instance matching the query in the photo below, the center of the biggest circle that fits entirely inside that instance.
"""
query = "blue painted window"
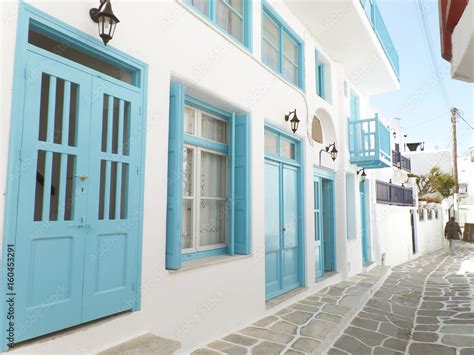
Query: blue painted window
(355, 107)
(320, 79)
(351, 207)
(231, 16)
(282, 50)
(208, 181)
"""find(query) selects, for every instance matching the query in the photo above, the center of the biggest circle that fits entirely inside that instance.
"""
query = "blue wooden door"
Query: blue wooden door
(363, 218)
(282, 247)
(318, 240)
(328, 224)
(113, 212)
(64, 256)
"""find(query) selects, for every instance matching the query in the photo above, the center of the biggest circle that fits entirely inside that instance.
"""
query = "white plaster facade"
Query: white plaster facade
(196, 304)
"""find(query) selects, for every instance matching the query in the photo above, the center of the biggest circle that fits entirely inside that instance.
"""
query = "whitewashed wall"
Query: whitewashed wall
(197, 305)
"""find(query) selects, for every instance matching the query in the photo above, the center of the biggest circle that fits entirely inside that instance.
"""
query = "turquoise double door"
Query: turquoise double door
(283, 247)
(324, 241)
(79, 214)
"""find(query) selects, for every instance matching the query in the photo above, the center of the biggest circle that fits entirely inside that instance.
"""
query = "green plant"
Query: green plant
(435, 182)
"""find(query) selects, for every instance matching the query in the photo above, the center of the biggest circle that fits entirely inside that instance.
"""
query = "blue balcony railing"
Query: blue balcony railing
(369, 143)
(375, 17)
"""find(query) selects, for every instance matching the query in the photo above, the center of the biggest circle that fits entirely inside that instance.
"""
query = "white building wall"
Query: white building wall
(199, 304)
(423, 161)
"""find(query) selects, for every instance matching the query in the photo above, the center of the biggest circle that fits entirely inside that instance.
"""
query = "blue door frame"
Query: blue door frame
(364, 223)
(284, 242)
(324, 221)
(30, 16)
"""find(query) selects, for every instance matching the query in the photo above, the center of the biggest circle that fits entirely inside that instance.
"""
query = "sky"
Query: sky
(423, 103)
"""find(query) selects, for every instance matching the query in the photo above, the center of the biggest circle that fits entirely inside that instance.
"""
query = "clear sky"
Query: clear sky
(421, 104)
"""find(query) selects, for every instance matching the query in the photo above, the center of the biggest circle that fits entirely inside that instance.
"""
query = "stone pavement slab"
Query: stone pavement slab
(425, 306)
(309, 325)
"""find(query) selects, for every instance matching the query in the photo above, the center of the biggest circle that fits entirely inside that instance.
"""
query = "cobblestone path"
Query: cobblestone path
(424, 307)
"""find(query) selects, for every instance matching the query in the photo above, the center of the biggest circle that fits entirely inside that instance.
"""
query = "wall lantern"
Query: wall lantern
(394, 134)
(362, 173)
(294, 122)
(105, 19)
(333, 152)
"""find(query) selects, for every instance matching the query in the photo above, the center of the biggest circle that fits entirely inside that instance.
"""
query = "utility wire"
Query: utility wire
(462, 118)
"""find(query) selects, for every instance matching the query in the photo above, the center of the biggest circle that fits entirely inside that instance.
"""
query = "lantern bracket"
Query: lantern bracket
(95, 11)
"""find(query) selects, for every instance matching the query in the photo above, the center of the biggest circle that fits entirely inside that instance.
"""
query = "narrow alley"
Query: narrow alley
(424, 306)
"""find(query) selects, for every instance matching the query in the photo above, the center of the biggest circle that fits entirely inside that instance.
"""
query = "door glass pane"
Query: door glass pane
(187, 235)
(270, 31)
(113, 190)
(270, 56)
(270, 143)
(70, 188)
(58, 115)
(55, 186)
(124, 192)
(212, 228)
(213, 129)
(317, 235)
(287, 149)
(126, 129)
(290, 49)
(43, 119)
(39, 191)
(213, 175)
(189, 120)
(290, 71)
(105, 124)
(188, 168)
(229, 21)
(73, 112)
(115, 126)
(103, 168)
(201, 5)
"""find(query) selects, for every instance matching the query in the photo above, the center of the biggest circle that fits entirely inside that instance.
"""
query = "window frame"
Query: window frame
(283, 30)
(246, 18)
(200, 144)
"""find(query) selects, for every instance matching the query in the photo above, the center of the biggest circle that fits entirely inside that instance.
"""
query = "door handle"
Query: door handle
(284, 229)
(81, 177)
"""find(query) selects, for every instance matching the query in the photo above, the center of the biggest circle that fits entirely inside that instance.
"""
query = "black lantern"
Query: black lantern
(330, 149)
(362, 173)
(294, 122)
(394, 134)
(105, 19)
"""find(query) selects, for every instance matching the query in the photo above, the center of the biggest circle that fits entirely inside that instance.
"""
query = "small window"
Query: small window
(231, 16)
(317, 130)
(66, 50)
(271, 146)
(287, 149)
(281, 50)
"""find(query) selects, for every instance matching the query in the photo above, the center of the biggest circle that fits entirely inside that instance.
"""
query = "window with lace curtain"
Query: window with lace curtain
(282, 50)
(204, 182)
(231, 16)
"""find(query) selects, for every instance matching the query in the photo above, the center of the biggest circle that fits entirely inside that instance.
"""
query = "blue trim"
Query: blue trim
(204, 143)
(203, 254)
(284, 28)
(298, 163)
(323, 172)
(212, 18)
(27, 15)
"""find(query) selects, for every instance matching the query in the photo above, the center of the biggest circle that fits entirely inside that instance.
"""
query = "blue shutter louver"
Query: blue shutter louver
(241, 178)
(175, 177)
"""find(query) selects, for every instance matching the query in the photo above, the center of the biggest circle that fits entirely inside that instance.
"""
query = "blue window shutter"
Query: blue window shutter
(175, 177)
(241, 178)
(316, 66)
(231, 200)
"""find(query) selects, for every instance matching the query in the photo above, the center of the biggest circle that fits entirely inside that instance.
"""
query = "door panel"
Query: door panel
(328, 224)
(49, 239)
(318, 242)
(272, 228)
(290, 227)
(113, 213)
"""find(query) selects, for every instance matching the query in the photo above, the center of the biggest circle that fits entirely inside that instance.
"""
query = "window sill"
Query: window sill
(212, 260)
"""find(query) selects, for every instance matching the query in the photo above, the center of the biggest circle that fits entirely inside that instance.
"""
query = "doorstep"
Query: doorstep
(144, 344)
(309, 325)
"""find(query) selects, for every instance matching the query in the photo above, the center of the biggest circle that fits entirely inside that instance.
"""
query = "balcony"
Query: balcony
(369, 143)
(353, 33)
(400, 161)
(390, 194)
(376, 20)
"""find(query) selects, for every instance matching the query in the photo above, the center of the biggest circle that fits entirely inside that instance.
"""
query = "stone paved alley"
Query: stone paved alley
(424, 306)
